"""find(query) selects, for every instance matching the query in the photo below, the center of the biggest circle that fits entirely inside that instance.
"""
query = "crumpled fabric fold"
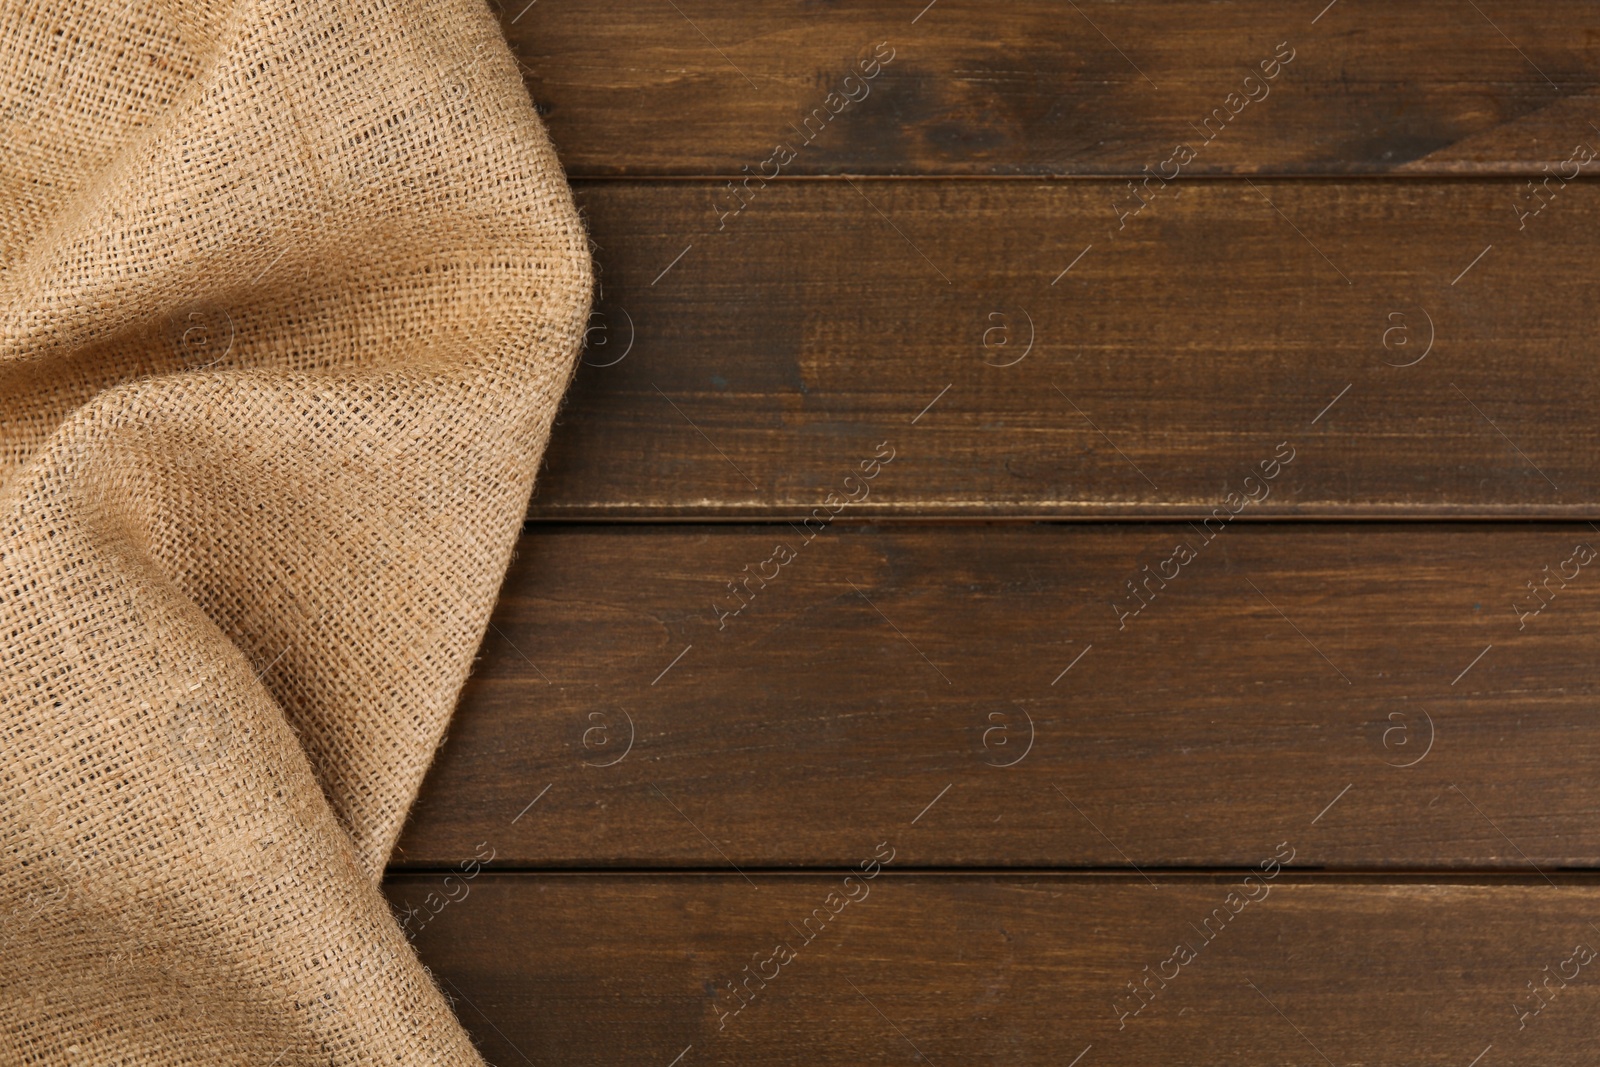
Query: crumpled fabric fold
(289, 295)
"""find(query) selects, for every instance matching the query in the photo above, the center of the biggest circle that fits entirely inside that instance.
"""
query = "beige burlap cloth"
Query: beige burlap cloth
(290, 292)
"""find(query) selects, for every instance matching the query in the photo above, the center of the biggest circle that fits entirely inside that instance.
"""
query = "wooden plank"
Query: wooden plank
(637, 87)
(1370, 691)
(1014, 970)
(747, 371)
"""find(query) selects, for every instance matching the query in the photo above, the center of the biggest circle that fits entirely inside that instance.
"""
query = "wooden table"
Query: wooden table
(1071, 545)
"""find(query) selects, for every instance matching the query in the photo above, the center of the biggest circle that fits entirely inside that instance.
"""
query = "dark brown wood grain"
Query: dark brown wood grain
(1012, 970)
(1331, 683)
(1066, 741)
(701, 87)
(746, 371)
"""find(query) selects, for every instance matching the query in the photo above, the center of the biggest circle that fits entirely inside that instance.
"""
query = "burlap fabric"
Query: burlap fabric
(290, 293)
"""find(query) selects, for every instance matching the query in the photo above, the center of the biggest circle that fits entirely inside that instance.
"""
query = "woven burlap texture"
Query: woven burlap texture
(290, 293)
